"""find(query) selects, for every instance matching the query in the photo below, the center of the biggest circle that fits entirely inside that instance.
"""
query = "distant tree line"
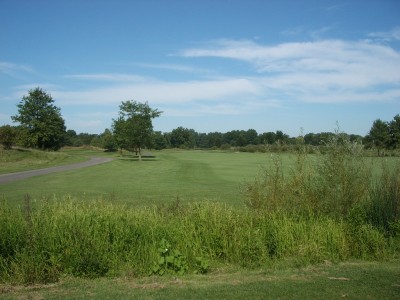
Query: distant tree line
(42, 126)
(184, 138)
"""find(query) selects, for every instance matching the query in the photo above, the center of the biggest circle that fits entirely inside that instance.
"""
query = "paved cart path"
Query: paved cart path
(6, 178)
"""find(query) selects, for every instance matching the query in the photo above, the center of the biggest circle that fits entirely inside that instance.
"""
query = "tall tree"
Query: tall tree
(134, 128)
(379, 135)
(394, 132)
(41, 120)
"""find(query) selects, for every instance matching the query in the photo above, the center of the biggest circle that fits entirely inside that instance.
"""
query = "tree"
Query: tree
(40, 120)
(159, 141)
(267, 138)
(252, 137)
(394, 132)
(70, 137)
(379, 135)
(134, 129)
(108, 141)
(8, 135)
(183, 137)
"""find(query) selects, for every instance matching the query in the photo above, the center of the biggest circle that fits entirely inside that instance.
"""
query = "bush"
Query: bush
(225, 147)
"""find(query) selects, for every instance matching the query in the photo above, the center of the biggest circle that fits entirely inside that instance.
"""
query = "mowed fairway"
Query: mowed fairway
(171, 175)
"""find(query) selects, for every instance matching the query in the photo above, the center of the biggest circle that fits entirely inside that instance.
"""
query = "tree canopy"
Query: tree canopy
(41, 121)
(134, 128)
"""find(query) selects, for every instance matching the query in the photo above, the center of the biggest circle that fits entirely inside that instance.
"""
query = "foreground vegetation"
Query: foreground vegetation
(94, 239)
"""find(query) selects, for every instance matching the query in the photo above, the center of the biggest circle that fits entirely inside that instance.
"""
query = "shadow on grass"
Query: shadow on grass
(136, 158)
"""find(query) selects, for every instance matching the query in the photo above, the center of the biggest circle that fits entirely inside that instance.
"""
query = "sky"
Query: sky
(209, 65)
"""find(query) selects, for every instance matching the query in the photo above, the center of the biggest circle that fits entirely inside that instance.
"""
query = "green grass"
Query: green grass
(187, 175)
(350, 280)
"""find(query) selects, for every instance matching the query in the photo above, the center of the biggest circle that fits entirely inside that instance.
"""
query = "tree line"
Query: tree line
(41, 126)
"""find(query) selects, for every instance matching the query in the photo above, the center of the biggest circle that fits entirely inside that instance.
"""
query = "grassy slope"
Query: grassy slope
(352, 280)
(25, 159)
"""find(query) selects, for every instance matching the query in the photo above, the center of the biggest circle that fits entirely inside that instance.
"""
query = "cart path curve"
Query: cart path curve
(10, 177)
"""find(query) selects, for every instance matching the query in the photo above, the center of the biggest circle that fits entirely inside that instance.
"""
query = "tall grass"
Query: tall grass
(339, 184)
(46, 240)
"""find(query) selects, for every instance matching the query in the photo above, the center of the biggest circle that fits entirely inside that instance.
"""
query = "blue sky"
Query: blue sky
(208, 65)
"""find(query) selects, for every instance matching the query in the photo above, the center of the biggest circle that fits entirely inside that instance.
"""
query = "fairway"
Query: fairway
(184, 175)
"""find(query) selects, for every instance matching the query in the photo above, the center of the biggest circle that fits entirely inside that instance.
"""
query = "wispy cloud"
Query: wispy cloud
(162, 92)
(336, 7)
(386, 36)
(174, 67)
(318, 34)
(293, 30)
(113, 77)
(318, 71)
(14, 70)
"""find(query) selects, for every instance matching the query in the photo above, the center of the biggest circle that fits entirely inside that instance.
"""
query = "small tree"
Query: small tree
(8, 135)
(133, 129)
(41, 121)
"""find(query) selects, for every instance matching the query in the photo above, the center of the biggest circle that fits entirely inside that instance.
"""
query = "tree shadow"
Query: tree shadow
(136, 158)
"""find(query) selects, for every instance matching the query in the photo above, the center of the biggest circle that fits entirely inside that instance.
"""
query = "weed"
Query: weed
(169, 260)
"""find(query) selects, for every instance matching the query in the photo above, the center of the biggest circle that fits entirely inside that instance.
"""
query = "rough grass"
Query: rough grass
(19, 159)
